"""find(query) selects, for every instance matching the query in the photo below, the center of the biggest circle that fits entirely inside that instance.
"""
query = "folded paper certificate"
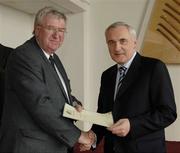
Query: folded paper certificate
(95, 118)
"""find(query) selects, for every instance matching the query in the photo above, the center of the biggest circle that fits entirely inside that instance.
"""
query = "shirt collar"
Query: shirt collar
(46, 54)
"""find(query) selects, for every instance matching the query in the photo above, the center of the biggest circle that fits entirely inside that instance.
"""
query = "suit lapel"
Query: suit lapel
(50, 68)
(110, 81)
(64, 75)
(131, 75)
(62, 71)
(54, 74)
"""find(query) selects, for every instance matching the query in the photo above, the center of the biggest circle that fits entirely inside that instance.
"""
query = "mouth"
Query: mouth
(55, 42)
(118, 54)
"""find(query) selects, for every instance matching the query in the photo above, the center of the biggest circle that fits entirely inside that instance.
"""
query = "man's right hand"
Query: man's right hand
(86, 140)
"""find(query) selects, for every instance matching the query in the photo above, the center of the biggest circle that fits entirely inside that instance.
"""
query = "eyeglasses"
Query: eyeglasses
(53, 29)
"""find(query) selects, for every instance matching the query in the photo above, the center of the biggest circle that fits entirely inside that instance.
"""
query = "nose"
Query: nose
(55, 34)
(117, 46)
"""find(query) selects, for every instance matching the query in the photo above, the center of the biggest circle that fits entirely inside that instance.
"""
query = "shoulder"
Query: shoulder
(4, 55)
(152, 62)
(29, 53)
(153, 65)
(5, 51)
(110, 72)
(110, 69)
(30, 44)
(28, 49)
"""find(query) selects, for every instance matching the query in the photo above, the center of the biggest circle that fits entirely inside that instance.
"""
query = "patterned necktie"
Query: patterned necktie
(122, 72)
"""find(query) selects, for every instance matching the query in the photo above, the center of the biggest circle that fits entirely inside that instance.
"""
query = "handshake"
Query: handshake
(86, 140)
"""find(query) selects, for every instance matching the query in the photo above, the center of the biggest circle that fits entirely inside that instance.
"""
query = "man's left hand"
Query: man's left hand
(121, 128)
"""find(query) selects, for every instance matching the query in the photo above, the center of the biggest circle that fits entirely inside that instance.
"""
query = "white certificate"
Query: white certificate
(105, 119)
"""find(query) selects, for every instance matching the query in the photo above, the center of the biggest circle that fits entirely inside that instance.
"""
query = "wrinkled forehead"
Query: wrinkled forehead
(51, 17)
(120, 30)
(117, 33)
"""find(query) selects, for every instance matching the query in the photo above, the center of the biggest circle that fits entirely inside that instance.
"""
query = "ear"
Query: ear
(135, 44)
(36, 30)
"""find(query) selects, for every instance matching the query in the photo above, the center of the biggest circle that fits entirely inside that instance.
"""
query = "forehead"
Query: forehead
(117, 33)
(52, 19)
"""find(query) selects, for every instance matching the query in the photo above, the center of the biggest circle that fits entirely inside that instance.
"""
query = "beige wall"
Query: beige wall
(84, 52)
(72, 53)
(15, 27)
(173, 132)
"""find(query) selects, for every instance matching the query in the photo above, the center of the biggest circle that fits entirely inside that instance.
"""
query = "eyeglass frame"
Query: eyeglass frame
(53, 29)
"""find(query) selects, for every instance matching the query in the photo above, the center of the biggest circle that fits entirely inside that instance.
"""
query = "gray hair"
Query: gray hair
(45, 12)
(131, 30)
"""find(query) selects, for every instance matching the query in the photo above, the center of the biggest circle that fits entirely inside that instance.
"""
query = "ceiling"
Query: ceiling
(32, 6)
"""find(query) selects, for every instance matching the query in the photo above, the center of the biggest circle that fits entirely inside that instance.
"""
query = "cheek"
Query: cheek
(133, 46)
(43, 36)
(111, 50)
(48, 38)
(61, 37)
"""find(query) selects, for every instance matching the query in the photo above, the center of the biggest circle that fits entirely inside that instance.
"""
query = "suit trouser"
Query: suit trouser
(70, 150)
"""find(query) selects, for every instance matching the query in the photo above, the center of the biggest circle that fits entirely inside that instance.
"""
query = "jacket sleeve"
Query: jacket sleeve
(163, 109)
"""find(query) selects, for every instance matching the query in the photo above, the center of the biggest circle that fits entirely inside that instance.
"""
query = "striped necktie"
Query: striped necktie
(122, 72)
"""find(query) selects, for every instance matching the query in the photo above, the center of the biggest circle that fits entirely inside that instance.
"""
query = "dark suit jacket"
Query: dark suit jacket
(32, 119)
(146, 98)
(4, 54)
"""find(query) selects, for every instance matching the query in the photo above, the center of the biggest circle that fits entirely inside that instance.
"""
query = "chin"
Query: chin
(119, 60)
(54, 48)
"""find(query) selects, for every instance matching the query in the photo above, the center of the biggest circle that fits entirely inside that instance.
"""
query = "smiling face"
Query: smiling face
(121, 44)
(50, 33)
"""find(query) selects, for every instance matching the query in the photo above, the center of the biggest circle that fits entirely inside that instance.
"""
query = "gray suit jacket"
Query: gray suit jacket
(32, 119)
